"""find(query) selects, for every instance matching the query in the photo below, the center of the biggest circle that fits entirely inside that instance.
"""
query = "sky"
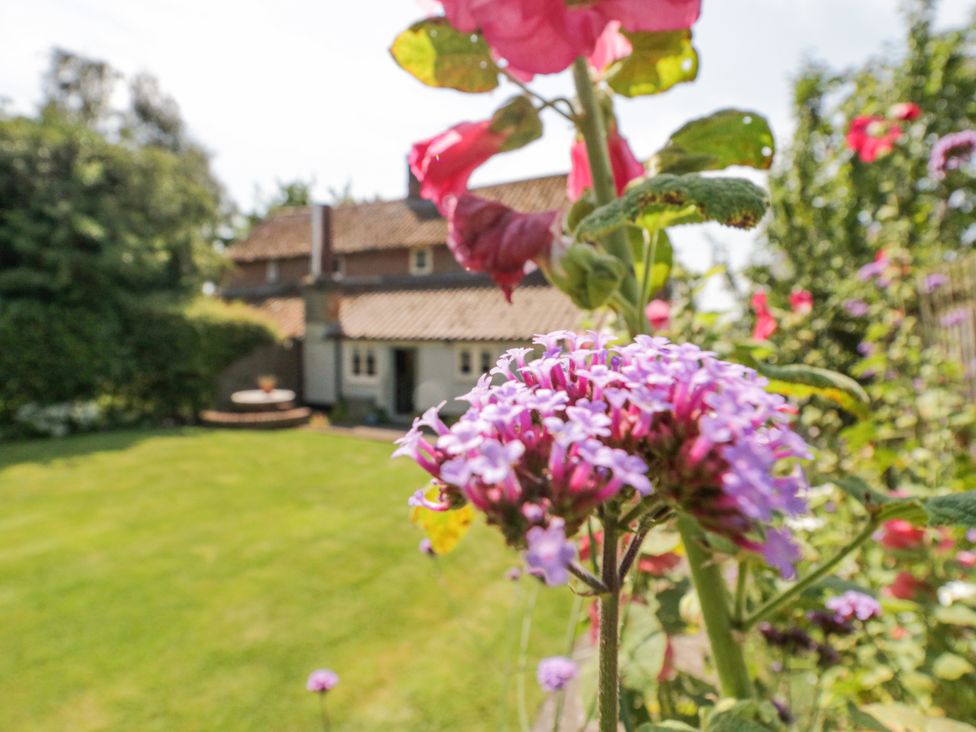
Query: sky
(299, 89)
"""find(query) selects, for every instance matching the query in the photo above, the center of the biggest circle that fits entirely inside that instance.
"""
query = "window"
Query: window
(272, 272)
(473, 362)
(421, 261)
(338, 266)
(362, 364)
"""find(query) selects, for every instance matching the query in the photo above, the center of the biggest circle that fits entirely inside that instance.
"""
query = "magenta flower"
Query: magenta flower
(544, 36)
(853, 604)
(872, 137)
(904, 111)
(549, 553)
(765, 324)
(322, 681)
(626, 166)
(555, 672)
(801, 302)
(658, 314)
(487, 236)
(584, 423)
(444, 163)
(952, 152)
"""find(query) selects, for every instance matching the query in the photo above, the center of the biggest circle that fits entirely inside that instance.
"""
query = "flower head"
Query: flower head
(626, 167)
(901, 534)
(854, 605)
(765, 322)
(322, 680)
(658, 314)
(905, 586)
(555, 672)
(871, 137)
(801, 302)
(856, 308)
(544, 36)
(904, 111)
(648, 416)
(488, 236)
(934, 281)
(952, 152)
(444, 163)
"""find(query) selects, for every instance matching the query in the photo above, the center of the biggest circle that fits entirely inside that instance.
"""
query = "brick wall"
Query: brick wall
(254, 274)
(394, 262)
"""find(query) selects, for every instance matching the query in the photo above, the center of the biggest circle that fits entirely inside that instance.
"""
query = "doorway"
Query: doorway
(404, 379)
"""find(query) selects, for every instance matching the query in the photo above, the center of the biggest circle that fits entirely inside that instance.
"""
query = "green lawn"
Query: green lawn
(190, 580)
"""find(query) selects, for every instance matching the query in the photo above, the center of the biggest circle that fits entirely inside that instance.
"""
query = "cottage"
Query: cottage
(389, 321)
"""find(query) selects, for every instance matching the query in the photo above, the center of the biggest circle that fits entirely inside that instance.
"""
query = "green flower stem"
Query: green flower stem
(609, 685)
(733, 676)
(741, 582)
(590, 124)
(777, 602)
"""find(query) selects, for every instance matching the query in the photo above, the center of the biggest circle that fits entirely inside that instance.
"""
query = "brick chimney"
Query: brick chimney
(321, 216)
(413, 184)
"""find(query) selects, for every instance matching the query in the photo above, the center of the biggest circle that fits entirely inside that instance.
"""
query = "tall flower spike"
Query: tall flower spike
(586, 423)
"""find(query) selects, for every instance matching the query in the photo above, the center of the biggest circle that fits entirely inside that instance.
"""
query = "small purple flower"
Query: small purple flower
(866, 348)
(783, 712)
(427, 547)
(856, 308)
(780, 552)
(955, 317)
(555, 672)
(830, 623)
(951, 153)
(322, 680)
(495, 462)
(934, 281)
(549, 552)
(514, 574)
(971, 536)
(853, 604)
(872, 269)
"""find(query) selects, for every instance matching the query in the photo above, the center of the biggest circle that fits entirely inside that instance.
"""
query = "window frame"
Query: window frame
(428, 267)
(477, 356)
(272, 272)
(362, 363)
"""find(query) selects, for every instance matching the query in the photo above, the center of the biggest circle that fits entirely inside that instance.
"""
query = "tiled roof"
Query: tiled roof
(285, 233)
(465, 313)
(288, 313)
(385, 224)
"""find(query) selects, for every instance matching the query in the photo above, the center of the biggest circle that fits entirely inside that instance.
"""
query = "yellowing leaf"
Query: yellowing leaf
(444, 528)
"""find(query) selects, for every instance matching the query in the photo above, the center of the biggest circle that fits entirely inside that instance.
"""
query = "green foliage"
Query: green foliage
(519, 121)
(799, 381)
(658, 62)
(742, 716)
(957, 509)
(589, 277)
(724, 138)
(671, 200)
(438, 55)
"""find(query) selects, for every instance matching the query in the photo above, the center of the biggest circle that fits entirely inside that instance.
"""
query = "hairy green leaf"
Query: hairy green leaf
(519, 121)
(880, 504)
(437, 54)
(658, 62)
(727, 137)
(798, 380)
(955, 509)
(670, 200)
(742, 716)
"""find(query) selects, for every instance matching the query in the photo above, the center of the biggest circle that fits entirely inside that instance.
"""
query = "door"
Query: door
(404, 379)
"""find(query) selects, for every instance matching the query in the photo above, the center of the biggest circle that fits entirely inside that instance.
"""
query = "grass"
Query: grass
(190, 580)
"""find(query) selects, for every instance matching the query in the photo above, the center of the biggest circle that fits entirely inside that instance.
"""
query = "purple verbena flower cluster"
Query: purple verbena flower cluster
(854, 605)
(951, 153)
(555, 672)
(322, 680)
(547, 440)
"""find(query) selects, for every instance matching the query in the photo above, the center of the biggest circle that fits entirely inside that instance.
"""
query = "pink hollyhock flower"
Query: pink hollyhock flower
(952, 152)
(871, 137)
(765, 323)
(546, 441)
(488, 236)
(658, 314)
(544, 36)
(901, 534)
(444, 163)
(610, 46)
(322, 680)
(904, 111)
(905, 586)
(626, 167)
(967, 559)
(801, 301)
